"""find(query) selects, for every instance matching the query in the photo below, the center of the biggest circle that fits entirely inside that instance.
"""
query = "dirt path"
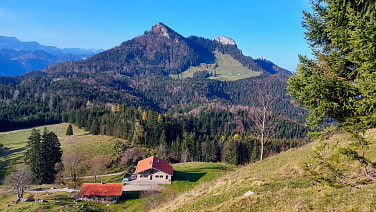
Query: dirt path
(104, 175)
(39, 190)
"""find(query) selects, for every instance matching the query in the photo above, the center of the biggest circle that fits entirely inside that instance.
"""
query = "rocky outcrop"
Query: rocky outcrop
(225, 40)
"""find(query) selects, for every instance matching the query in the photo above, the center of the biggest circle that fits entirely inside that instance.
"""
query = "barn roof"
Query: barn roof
(156, 163)
(101, 189)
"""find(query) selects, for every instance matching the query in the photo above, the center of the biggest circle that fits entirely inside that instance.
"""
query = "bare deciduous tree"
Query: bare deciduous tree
(98, 165)
(131, 156)
(73, 166)
(19, 179)
(263, 120)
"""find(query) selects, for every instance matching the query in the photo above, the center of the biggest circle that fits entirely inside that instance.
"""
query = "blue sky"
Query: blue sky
(271, 29)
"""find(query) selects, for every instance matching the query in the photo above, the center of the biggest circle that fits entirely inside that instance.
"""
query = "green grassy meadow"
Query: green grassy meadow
(87, 144)
(187, 175)
(278, 183)
(226, 69)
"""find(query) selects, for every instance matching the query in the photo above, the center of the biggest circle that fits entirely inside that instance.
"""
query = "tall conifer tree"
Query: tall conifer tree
(42, 154)
(340, 82)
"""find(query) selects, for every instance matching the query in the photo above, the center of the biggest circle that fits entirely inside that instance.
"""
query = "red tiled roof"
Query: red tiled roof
(156, 163)
(101, 189)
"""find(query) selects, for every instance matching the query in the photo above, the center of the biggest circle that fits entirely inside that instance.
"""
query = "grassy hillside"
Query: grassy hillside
(186, 177)
(87, 144)
(278, 183)
(226, 69)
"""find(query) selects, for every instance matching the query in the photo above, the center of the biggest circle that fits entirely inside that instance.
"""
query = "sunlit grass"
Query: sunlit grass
(82, 141)
(278, 183)
(226, 69)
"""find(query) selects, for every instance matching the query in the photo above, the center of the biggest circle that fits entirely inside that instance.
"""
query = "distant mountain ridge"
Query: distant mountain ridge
(138, 73)
(160, 51)
(19, 57)
(13, 43)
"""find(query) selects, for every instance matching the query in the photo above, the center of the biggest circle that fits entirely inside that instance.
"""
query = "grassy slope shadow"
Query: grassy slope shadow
(178, 176)
(187, 176)
(7, 157)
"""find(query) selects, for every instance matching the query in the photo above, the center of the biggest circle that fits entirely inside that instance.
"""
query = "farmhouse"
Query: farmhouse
(153, 170)
(101, 192)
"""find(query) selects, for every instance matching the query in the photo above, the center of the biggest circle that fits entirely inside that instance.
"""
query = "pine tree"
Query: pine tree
(69, 130)
(339, 83)
(230, 152)
(43, 152)
(33, 156)
(163, 145)
(95, 128)
(51, 154)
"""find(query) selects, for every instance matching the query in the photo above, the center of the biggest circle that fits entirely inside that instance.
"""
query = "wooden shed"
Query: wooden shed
(101, 192)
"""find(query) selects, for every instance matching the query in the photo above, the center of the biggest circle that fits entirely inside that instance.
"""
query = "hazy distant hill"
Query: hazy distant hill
(19, 57)
(13, 43)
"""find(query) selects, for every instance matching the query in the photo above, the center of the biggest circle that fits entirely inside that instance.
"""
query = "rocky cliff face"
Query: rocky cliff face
(225, 40)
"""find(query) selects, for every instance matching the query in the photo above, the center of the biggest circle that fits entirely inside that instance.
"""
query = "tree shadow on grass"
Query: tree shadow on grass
(187, 176)
(130, 195)
(6, 159)
(5, 151)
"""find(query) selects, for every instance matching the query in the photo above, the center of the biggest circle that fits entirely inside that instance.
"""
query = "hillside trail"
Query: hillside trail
(52, 189)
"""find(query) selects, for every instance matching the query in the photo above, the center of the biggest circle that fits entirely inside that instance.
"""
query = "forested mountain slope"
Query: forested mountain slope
(135, 74)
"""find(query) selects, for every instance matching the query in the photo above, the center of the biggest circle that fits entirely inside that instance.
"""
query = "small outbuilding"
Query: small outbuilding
(101, 192)
(154, 170)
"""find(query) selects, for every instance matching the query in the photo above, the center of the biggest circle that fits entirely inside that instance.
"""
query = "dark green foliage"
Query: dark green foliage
(201, 75)
(188, 137)
(230, 152)
(43, 152)
(69, 130)
(339, 83)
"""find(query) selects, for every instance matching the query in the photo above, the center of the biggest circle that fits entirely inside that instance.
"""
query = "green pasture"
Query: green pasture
(226, 69)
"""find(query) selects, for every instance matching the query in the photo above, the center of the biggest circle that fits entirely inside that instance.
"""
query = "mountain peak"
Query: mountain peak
(225, 40)
(162, 29)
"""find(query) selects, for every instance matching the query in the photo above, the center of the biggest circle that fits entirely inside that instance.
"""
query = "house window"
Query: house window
(166, 177)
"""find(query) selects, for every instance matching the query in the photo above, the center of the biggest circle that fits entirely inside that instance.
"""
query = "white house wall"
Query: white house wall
(155, 177)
